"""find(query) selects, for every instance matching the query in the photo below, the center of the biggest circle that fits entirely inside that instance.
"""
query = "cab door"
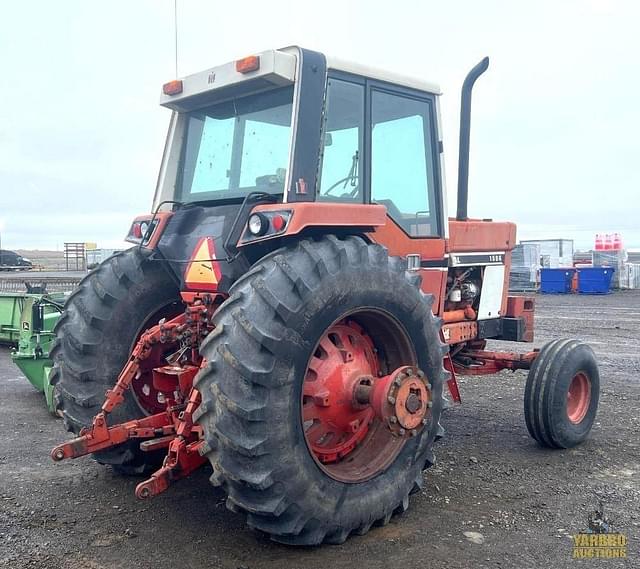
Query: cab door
(404, 175)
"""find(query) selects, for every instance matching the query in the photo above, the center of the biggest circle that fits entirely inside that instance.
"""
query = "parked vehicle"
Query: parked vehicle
(12, 261)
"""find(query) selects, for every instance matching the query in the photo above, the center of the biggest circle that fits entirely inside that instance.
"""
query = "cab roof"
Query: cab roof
(276, 68)
(382, 75)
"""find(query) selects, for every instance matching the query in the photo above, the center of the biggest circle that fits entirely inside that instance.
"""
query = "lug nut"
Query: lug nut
(393, 419)
(397, 381)
(402, 432)
(429, 386)
(409, 371)
(420, 373)
(413, 432)
(424, 421)
(430, 404)
(391, 399)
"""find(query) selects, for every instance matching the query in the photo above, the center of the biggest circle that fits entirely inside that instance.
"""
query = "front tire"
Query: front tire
(561, 394)
(252, 387)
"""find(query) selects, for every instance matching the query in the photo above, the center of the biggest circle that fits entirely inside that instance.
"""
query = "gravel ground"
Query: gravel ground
(490, 478)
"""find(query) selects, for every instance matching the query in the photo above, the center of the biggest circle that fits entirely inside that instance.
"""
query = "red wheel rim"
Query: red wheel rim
(578, 398)
(347, 440)
(148, 398)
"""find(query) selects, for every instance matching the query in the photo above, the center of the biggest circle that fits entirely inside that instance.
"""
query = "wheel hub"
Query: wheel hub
(402, 399)
(578, 398)
(333, 424)
(346, 397)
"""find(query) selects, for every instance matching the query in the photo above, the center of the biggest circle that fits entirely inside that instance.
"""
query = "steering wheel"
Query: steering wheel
(343, 181)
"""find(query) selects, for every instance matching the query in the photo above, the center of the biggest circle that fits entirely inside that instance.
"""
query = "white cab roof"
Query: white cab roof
(382, 75)
(277, 68)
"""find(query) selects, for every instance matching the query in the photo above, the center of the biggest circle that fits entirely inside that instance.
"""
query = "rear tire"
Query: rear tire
(561, 394)
(252, 386)
(101, 322)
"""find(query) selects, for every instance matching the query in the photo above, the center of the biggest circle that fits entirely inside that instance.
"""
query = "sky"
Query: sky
(555, 120)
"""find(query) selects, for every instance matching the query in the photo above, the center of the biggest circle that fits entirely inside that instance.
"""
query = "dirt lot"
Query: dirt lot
(490, 478)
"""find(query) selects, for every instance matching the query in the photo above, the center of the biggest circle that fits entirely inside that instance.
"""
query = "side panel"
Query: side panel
(492, 293)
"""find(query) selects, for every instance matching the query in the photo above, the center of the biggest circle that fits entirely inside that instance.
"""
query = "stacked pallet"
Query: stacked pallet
(554, 253)
(615, 259)
(582, 258)
(630, 276)
(525, 261)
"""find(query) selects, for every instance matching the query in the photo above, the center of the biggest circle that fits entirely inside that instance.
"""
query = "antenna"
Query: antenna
(175, 27)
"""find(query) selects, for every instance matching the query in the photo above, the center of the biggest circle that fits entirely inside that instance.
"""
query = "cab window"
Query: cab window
(402, 161)
(237, 147)
(342, 149)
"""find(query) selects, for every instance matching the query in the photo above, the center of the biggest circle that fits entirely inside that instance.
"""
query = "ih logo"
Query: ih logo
(203, 271)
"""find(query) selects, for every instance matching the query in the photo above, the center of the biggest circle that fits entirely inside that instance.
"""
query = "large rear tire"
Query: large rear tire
(258, 357)
(100, 324)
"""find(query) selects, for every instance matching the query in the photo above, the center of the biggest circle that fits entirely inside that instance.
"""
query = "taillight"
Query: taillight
(266, 224)
(278, 222)
(141, 231)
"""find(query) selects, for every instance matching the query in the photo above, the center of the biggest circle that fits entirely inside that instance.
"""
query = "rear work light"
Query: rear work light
(258, 224)
(247, 64)
(141, 231)
(173, 87)
(264, 224)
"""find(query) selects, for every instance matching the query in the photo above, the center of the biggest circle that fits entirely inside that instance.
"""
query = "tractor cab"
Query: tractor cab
(295, 127)
(302, 127)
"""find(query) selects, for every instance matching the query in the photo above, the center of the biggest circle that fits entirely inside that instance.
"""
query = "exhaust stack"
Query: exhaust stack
(465, 128)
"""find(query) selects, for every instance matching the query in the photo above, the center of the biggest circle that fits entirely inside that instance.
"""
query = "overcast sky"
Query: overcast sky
(556, 119)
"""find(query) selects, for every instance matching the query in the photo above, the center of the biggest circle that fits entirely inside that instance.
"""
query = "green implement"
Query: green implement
(26, 323)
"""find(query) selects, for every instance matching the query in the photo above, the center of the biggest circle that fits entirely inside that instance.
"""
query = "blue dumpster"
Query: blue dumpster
(556, 281)
(595, 280)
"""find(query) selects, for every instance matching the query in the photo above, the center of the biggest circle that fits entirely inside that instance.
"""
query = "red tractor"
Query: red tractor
(295, 304)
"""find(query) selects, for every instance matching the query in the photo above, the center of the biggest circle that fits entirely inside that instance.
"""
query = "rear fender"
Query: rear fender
(321, 217)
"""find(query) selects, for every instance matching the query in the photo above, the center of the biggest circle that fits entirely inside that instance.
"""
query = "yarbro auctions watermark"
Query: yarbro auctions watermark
(599, 540)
